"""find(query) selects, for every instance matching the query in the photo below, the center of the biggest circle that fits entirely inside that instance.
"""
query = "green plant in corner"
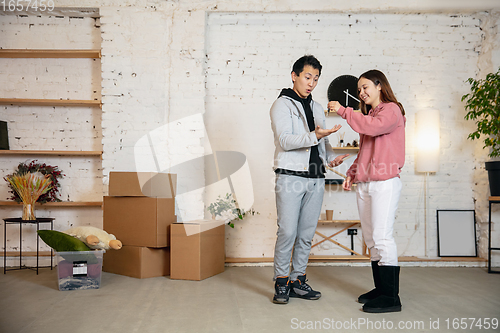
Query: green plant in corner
(225, 209)
(483, 106)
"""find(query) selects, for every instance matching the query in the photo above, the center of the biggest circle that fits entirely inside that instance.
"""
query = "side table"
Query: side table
(351, 223)
(492, 200)
(20, 221)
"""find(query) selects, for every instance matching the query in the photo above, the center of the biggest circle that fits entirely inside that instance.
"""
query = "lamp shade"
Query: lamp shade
(427, 141)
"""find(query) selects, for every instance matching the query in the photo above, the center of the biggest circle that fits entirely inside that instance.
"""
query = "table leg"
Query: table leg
(4, 247)
(37, 245)
(20, 245)
(489, 239)
(352, 244)
(51, 250)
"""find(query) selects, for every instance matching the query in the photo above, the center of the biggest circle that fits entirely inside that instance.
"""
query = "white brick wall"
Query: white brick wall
(426, 57)
(136, 83)
(156, 78)
(489, 61)
(52, 128)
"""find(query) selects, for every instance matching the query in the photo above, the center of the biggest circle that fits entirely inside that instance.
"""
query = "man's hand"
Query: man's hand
(334, 106)
(346, 185)
(338, 160)
(321, 133)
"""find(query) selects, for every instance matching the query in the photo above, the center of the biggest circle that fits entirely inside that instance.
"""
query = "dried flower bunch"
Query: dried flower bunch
(43, 169)
(30, 186)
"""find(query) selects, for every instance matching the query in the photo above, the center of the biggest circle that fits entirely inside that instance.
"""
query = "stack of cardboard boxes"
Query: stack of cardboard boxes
(139, 211)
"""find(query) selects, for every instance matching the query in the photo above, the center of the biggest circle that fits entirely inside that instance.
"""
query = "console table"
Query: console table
(492, 200)
(20, 222)
(351, 223)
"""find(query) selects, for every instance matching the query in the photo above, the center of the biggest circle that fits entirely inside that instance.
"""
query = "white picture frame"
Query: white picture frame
(456, 231)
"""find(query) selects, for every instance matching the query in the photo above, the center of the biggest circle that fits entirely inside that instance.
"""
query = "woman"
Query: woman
(381, 156)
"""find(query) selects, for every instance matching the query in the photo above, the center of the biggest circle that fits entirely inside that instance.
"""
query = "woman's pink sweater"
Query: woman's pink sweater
(382, 142)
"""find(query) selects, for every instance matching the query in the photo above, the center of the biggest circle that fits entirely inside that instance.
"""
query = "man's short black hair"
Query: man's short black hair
(307, 60)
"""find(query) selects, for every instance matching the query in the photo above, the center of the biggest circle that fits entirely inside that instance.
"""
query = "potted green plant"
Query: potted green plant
(483, 106)
(224, 208)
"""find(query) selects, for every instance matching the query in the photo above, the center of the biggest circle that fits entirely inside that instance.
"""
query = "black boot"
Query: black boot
(300, 289)
(389, 300)
(374, 293)
(281, 290)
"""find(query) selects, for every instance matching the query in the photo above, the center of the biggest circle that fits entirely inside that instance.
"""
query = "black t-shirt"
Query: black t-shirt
(316, 166)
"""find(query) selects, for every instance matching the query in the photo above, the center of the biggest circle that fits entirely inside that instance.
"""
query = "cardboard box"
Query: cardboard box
(137, 261)
(79, 270)
(139, 221)
(142, 184)
(197, 250)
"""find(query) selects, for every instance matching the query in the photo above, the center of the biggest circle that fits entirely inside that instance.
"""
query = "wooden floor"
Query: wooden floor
(240, 300)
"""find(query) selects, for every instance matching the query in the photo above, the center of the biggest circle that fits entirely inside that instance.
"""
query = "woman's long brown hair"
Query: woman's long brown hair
(386, 93)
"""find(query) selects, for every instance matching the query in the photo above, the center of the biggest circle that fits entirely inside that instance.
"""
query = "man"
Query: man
(302, 150)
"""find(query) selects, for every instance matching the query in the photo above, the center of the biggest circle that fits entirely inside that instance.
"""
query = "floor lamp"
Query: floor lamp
(427, 151)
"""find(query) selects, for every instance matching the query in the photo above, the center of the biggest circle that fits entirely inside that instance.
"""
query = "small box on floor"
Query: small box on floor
(79, 270)
(197, 249)
(138, 262)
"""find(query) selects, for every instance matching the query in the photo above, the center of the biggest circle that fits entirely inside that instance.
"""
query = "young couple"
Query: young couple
(303, 149)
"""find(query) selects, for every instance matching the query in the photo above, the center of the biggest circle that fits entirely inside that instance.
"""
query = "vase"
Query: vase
(493, 168)
(28, 211)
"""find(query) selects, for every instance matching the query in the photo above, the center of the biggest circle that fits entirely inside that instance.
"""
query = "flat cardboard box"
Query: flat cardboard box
(142, 184)
(137, 261)
(139, 221)
(197, 250)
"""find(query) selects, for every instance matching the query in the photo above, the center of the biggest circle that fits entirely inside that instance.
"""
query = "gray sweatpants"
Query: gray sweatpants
(298, 204)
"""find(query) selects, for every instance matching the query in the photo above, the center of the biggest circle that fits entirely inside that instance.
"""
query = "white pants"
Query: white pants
(377, 205)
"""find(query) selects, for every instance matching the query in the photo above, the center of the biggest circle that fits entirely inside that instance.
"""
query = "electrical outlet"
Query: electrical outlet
(352, 232)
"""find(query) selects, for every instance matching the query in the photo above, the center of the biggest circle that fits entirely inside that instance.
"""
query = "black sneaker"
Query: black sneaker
(281, 290)
(300, 289)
